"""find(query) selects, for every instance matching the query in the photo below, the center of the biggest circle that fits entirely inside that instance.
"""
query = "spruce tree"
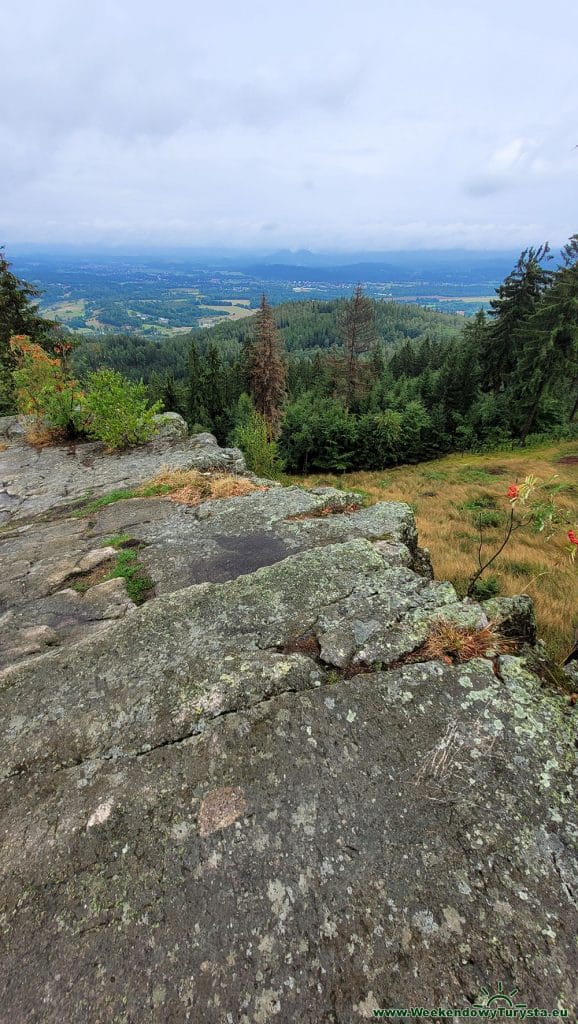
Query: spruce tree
(517, 299)
(549, 341)
(267, 368)
(173, 395)
(358, 336)
(214, 393)
(196, 410)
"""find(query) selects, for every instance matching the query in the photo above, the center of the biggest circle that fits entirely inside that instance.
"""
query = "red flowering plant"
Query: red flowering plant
(45, 388)
(531, 506)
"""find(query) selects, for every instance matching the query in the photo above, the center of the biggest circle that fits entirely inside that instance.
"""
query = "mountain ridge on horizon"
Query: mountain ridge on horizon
(283, 256)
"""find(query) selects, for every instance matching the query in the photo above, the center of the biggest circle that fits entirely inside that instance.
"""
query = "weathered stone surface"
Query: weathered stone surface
(238, 803)
(180, 545)
(12, 426)
(170, 425)
(174, 648)
(310, 857)
(108, 600)
(33, 481)
(94, 558)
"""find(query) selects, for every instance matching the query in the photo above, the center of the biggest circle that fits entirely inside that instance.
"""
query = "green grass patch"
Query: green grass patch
(365, 496)
(483, 512)
(471, 475)
(153, 490)
(486, 587)
(81, 586)
(482, 501)
(434, 474)
(128, 567)
(117, 541)
(121, 495)
(553, 489)
(488, 518)
(521, 568)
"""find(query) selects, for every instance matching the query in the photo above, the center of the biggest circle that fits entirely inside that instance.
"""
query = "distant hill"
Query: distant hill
(306, 325)
(312, 324)
(456, 265)
(160, 293)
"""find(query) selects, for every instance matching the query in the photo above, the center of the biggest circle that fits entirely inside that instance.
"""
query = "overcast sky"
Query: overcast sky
(316, 123)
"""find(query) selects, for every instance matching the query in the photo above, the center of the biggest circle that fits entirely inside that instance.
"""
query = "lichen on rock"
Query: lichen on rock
(246, 800)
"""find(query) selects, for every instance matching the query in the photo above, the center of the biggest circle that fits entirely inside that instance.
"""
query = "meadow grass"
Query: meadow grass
(445, 493)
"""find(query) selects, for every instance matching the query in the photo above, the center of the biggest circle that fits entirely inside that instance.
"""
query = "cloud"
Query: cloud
(304, 124)
(508, 166)
(485, 185)
(537, 165)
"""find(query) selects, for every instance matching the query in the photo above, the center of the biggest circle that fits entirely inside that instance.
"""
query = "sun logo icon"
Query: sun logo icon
(501, 997)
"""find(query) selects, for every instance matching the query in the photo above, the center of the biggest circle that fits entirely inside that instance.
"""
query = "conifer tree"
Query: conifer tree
(214, 392)
(320, 373)
(267, 368)
(196, 411)
(405, 361)
(173, 395)
(549, 341)
(517, 299)
(359, 336)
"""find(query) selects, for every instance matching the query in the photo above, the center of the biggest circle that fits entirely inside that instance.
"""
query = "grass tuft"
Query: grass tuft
(96, 504)
(190, 487)
(452, 643)
(40, 436)
(117, 541)
(128, 567)
(480, 501)
(434, 474)
(474, 475)
(486, 587)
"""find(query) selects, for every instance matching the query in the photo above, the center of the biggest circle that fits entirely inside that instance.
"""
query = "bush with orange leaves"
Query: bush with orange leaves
(45, 389)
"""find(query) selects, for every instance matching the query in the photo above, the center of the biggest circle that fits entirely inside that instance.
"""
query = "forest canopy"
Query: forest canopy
(359, 383)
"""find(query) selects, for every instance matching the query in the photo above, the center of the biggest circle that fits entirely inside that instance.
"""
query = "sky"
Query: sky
(384, 124)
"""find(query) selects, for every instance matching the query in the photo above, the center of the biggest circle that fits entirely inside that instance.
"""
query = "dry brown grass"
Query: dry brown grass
(40, 436)
(450, 642)
(530, 564)
(190, 487)
(233, 487)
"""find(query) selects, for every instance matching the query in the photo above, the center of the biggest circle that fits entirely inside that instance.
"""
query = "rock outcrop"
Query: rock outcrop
(246, 800)
(35, 481)
(170, 426)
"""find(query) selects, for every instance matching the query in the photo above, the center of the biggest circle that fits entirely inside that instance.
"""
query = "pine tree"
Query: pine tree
(267, 368)
(458, 378)
(321, 379)
(474, 333)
